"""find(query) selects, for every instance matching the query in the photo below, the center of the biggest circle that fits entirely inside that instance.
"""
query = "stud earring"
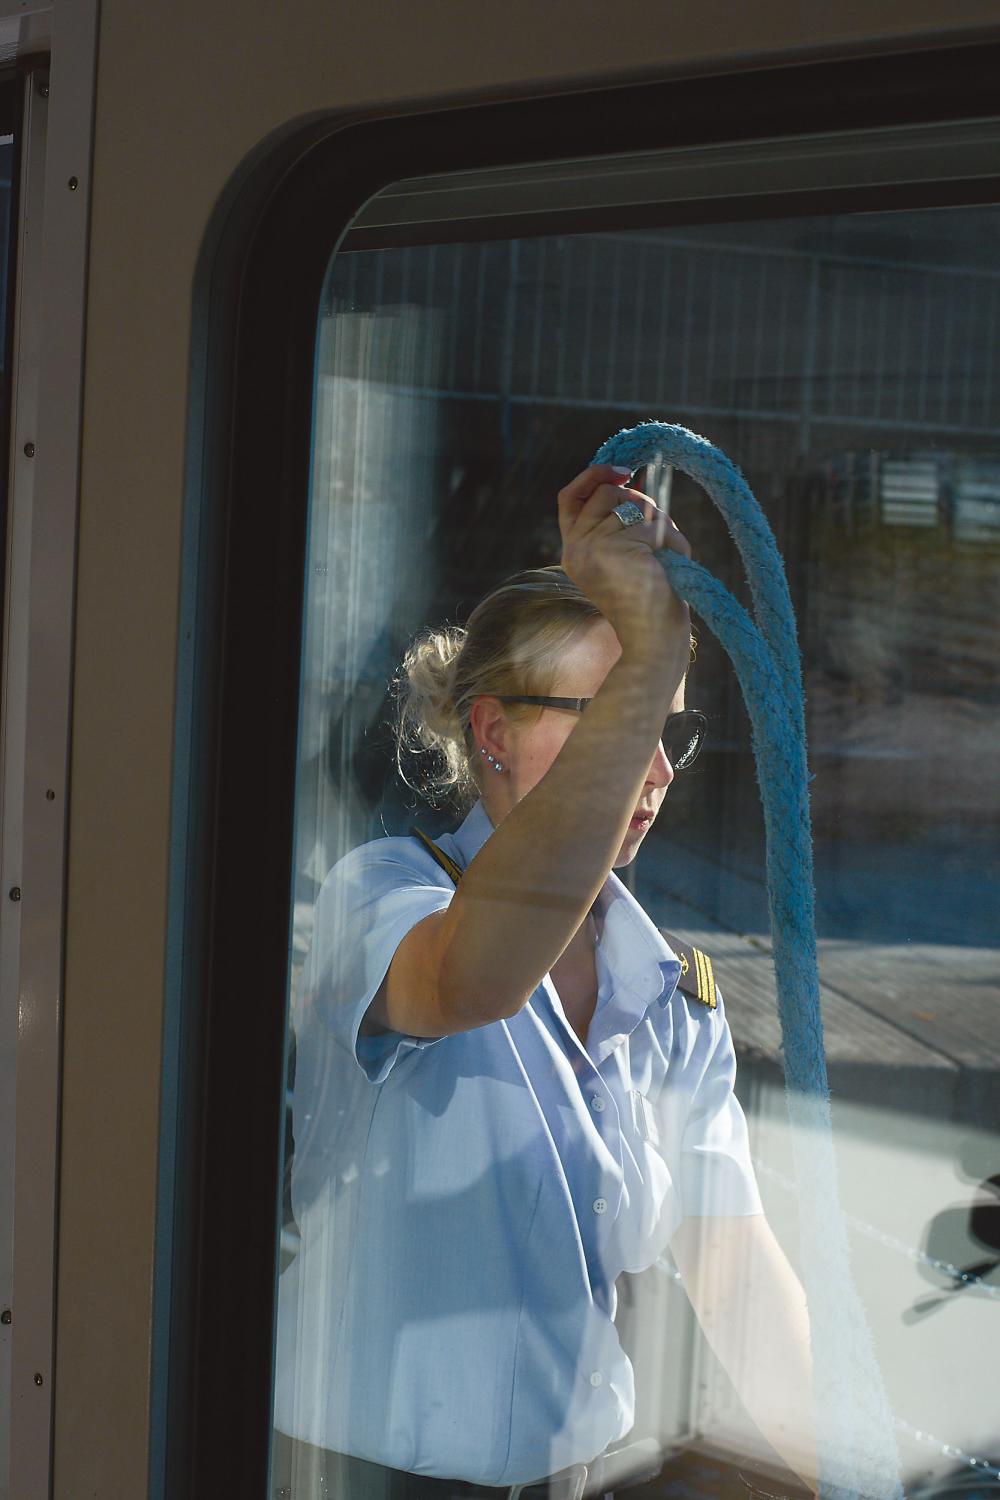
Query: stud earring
(493, 762)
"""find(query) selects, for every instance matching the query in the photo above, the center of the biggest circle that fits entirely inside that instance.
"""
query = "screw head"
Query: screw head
(38, 1379)
(29, 450)
(50, 795)
(5, 1316)
(74, 183)
(15, 893)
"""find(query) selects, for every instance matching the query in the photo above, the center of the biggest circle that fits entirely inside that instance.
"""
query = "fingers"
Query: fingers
(658, 530)
(587, 503)
(669, 534)
(575, 495)
(614, 564)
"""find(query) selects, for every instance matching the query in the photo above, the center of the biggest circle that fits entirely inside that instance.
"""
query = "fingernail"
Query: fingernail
(618, 469)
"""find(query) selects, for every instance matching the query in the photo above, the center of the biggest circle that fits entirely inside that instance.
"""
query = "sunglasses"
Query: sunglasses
(682, 738)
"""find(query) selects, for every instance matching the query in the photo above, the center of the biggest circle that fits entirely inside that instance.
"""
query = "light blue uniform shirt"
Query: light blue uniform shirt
(466, 1204)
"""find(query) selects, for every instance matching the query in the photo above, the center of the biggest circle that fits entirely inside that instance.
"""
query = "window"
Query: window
(848, 364)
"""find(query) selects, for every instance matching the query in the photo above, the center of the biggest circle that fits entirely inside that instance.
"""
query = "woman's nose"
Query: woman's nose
(661, 772)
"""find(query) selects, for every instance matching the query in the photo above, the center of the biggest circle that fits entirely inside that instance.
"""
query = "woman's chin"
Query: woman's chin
(628, 850)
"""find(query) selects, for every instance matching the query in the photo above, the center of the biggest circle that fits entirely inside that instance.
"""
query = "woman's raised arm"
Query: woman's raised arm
(529, 888)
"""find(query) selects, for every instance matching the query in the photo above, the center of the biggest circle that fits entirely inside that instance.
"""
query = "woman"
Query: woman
(503, 1097)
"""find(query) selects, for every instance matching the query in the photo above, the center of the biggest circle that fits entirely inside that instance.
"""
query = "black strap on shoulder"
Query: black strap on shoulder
(448, 865)
(697, 978)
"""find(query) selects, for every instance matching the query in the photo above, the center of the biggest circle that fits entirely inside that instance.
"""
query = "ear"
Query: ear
(490, 727)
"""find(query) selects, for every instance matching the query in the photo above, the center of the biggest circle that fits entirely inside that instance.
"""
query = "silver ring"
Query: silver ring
(628, 513)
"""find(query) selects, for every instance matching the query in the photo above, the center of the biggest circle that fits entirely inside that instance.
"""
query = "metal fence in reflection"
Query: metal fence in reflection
(648, 322)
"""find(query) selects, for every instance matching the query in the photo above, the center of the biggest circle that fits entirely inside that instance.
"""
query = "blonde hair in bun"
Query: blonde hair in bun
(426, 720)
(513, 643)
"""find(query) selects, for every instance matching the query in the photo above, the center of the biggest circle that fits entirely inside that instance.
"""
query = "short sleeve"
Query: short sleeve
(717, 1175)
(368, 903)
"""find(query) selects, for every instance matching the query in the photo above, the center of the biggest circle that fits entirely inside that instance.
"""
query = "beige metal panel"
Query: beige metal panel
(185, 93)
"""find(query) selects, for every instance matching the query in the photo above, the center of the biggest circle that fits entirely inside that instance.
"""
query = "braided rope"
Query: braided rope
(856, 1449)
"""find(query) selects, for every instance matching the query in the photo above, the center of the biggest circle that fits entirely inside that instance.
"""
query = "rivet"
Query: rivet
(50, 795)
(74, 183)
(5, 1316)
(29, 450)
(38, 1379)
(15, 893)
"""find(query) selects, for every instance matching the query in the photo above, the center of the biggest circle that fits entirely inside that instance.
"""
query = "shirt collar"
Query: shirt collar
(636, 953)
(470, 836)
(635, 949)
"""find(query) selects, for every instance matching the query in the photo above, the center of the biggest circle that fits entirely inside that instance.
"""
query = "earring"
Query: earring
(494, 763)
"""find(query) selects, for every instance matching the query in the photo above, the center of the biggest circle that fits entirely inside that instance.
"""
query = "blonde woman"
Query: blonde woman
(507, 1091)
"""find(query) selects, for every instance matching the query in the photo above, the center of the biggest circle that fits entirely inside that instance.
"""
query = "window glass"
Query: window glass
(500, 1244)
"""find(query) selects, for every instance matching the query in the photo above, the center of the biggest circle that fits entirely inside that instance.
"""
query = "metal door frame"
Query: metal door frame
(55, 46)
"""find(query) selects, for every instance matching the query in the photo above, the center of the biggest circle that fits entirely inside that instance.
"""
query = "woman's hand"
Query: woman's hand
(615, 565)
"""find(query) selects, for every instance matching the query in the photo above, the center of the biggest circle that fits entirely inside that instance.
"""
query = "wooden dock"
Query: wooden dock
(907, 1026)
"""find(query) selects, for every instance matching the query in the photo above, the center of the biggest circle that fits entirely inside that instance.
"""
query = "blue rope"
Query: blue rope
(857, 1453)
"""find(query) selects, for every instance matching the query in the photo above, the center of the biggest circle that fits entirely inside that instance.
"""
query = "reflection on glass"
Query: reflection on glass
(453, 1301)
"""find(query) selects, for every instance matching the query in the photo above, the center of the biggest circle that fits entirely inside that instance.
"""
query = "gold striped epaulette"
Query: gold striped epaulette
(697, 976)
(448, 865)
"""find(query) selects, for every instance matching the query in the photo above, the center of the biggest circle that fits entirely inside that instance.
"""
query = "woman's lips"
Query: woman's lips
(641, 820)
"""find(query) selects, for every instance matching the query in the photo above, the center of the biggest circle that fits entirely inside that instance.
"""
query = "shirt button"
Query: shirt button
(596, 1378)
(597, 1104)
(600, 1204)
